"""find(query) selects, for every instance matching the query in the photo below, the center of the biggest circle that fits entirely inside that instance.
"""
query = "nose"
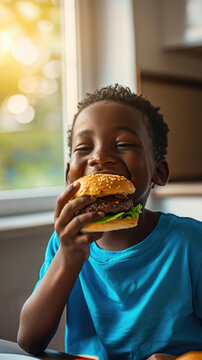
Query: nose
(100, 157)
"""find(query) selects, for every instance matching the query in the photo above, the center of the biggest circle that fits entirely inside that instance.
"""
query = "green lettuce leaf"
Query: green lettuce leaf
(133, 212)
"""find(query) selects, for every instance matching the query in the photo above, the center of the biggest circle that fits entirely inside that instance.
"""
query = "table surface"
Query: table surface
(9, 347)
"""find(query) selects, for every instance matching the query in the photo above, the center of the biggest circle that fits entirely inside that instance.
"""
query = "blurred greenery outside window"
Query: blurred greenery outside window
(31, 138)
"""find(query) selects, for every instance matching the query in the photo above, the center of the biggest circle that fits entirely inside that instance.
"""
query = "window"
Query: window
(31, 131)
(38, 68)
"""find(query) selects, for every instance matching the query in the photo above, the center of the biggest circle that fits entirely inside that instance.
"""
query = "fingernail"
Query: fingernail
(75, 184)
(101, 213)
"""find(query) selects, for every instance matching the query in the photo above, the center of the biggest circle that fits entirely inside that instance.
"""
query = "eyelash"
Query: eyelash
(83, 148)
(123, 145)
(118, 145)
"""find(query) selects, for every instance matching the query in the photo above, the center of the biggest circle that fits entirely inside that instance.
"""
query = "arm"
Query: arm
(41, 313)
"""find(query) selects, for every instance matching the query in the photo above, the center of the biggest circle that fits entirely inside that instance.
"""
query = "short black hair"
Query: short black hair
(154, 122)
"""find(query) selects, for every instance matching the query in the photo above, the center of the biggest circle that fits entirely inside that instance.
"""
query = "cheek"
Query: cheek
(142, 178)
(141, 172)
(76, 170)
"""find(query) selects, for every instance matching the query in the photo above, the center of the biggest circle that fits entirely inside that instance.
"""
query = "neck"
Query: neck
(123, 239)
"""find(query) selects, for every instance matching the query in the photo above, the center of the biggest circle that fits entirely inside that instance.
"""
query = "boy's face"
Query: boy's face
(112, 137)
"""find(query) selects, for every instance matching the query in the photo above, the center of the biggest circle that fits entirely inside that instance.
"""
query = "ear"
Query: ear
(161, 173)
(67, 173)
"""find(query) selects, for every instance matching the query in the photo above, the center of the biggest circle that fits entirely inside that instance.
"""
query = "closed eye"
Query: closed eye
(124, 145)
(83, 148)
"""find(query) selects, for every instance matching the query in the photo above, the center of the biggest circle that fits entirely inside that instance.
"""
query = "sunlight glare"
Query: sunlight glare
(5, 14)
(29, 10)
(47, 87)
(26, 116)
(45, 25)
(6, 41)
(52, 69)
(17, 103)
(24, 51)
(16, 29)
(28, 84)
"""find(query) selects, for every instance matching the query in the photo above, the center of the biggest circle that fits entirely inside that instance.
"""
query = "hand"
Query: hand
(68, 225)
(160, 356)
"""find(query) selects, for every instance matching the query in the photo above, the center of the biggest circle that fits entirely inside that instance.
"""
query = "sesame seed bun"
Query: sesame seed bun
(103, 185)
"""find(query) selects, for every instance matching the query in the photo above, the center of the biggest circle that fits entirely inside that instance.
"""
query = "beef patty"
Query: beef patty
(107, 205)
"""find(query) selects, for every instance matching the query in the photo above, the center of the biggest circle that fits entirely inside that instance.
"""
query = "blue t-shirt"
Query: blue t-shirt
(146, 299)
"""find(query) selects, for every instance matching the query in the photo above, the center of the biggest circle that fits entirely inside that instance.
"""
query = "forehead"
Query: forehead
(109, 116)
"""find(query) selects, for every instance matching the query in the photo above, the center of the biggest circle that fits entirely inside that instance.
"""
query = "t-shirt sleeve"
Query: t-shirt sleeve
(51, 250)
(195, 236)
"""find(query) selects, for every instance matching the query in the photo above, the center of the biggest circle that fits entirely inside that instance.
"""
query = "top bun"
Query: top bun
(103, 185)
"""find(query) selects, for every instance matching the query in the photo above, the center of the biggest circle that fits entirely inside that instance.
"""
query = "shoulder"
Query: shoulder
(184, 224)
(182, 237)
(184, 230)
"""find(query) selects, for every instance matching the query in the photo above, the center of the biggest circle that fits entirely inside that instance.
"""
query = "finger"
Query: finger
(86, 239)
(79, 221)
(65, 197)
(69, 210)
(67, 173)
(94, 236)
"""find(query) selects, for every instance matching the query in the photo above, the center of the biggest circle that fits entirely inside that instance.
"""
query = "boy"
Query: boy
(132, 293)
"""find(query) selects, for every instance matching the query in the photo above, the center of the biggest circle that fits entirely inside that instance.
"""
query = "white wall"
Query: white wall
(106, 44)
(186, 206)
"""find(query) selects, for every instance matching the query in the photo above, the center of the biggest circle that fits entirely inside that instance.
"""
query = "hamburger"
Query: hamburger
(112, 197)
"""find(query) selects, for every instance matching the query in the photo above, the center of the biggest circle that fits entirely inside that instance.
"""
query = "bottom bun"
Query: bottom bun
(116, 224)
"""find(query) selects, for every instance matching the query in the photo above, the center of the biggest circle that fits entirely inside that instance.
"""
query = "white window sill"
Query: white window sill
(182, 199)
(26, 221)
(28, 201)
(179, 189)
